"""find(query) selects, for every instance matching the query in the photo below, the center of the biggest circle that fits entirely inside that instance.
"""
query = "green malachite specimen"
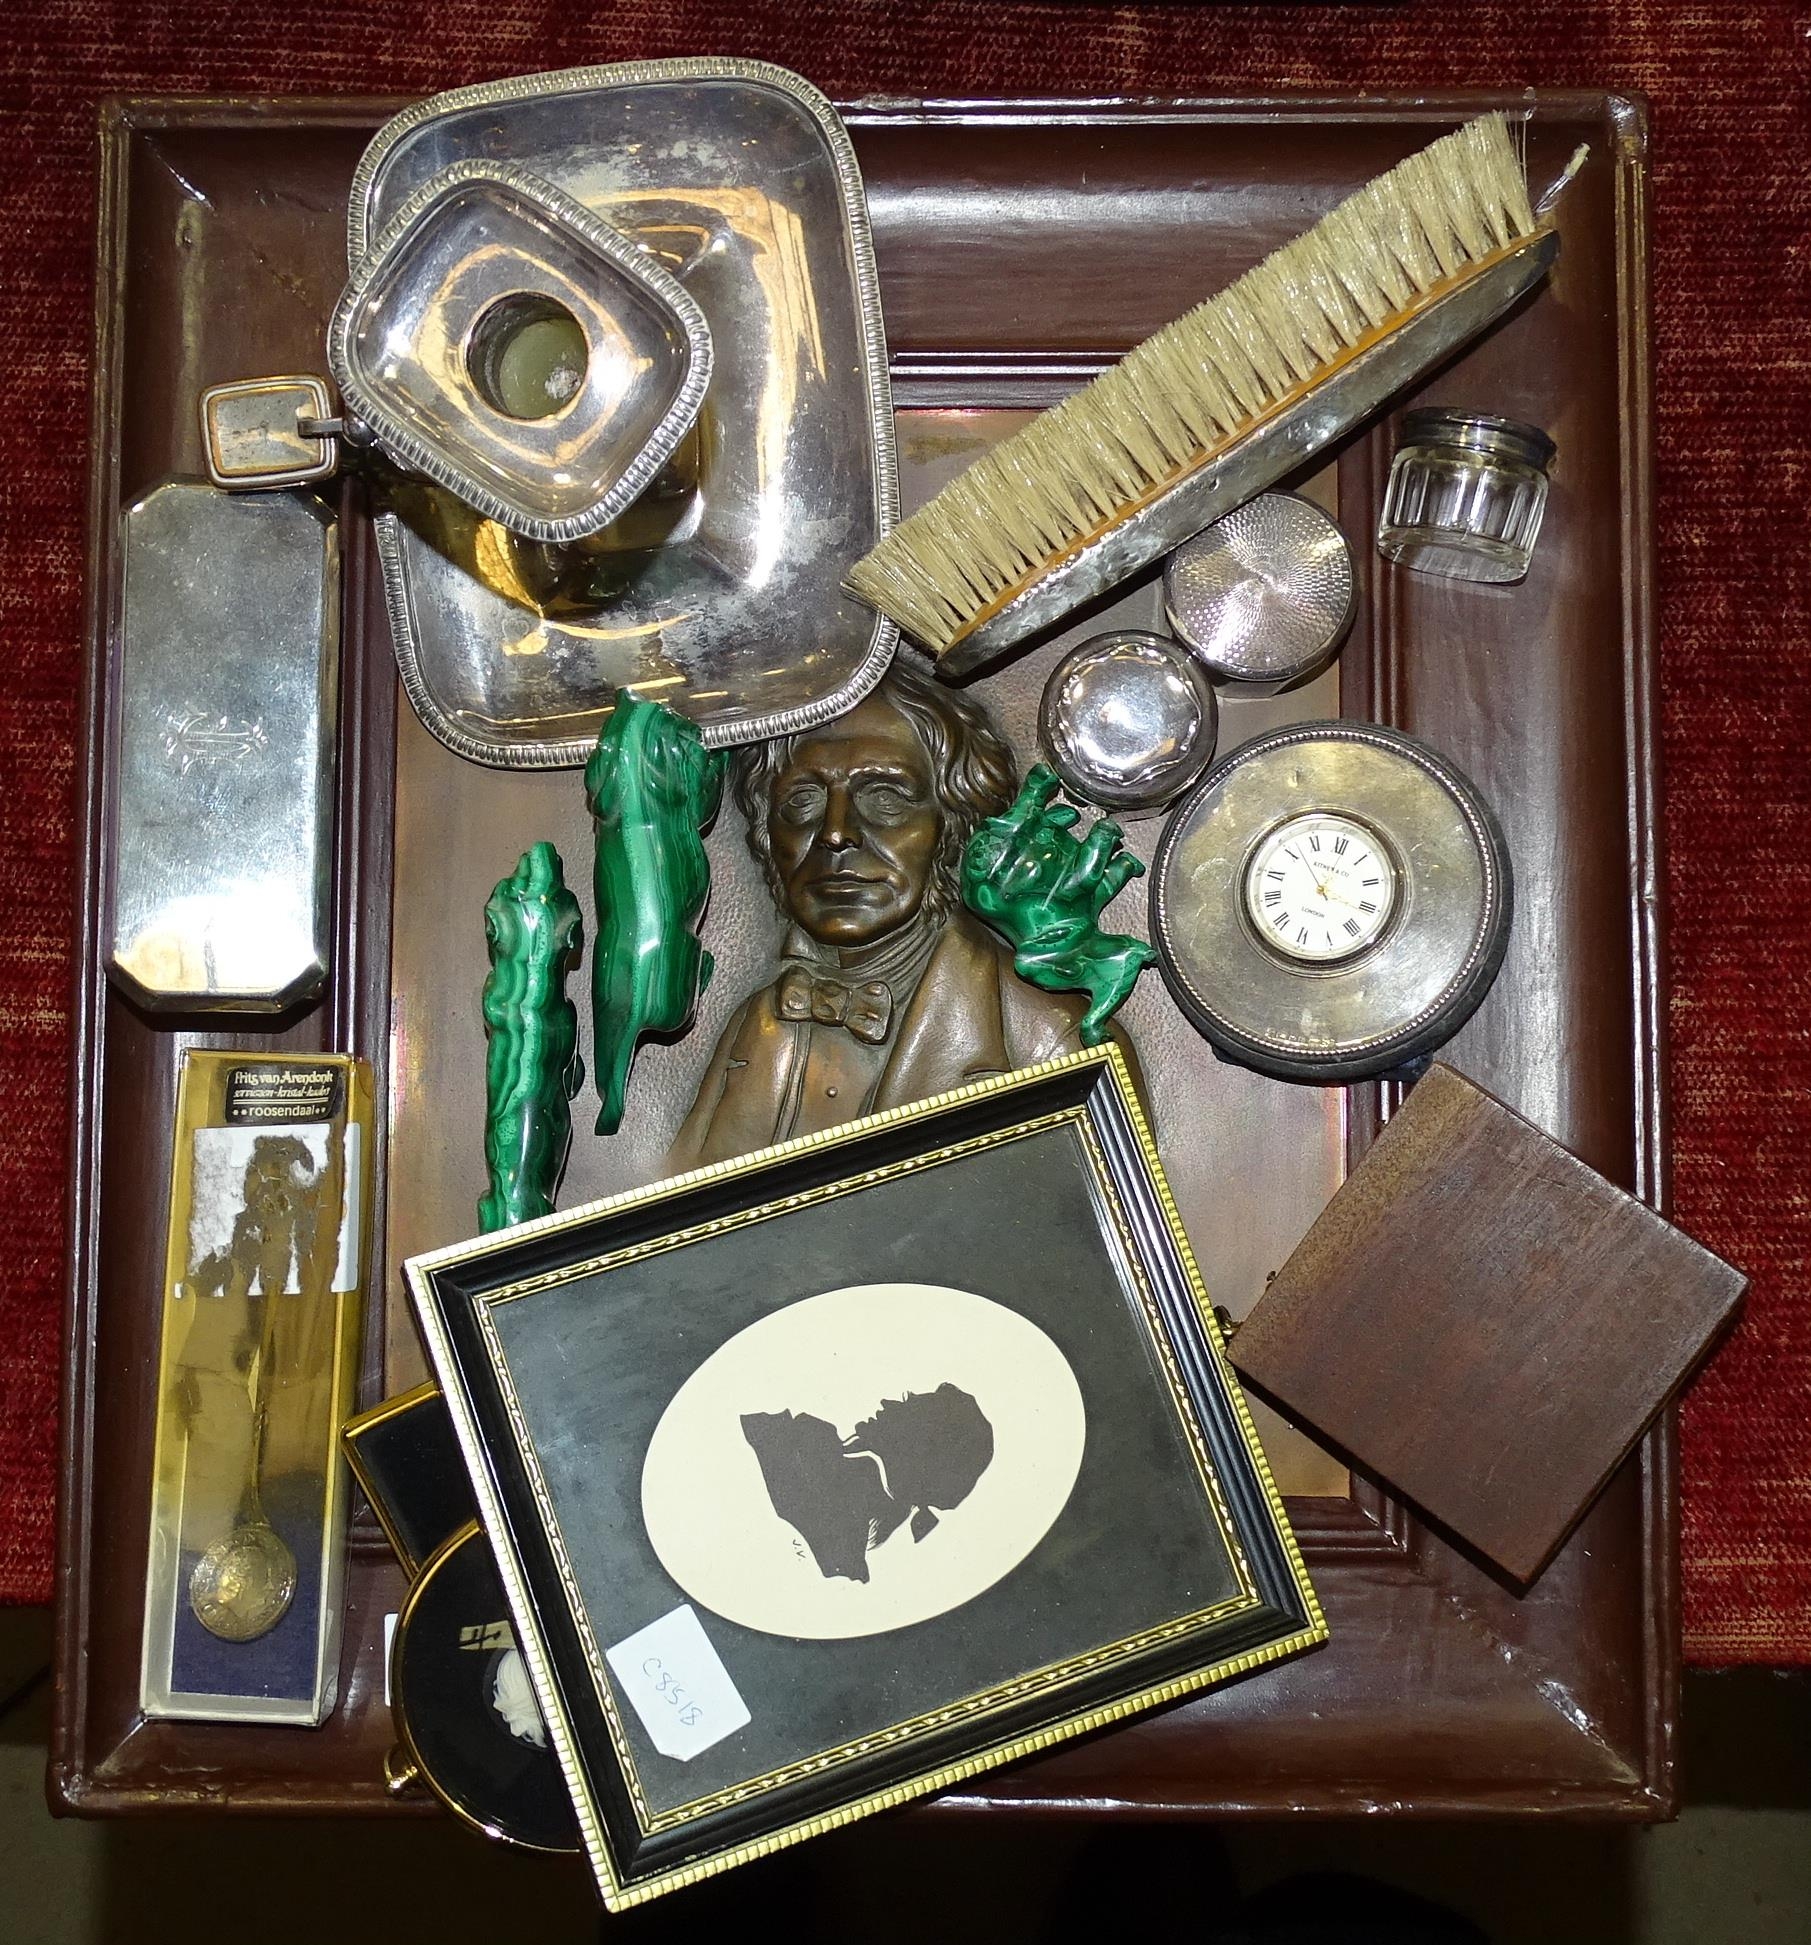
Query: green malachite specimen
(1043, 889)
(532, 1068)
(653, 787)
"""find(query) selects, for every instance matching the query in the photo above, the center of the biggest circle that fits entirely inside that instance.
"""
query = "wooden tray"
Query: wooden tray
(1021, 246)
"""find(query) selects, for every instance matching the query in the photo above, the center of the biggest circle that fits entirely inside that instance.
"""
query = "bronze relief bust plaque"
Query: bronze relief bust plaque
(888, 989)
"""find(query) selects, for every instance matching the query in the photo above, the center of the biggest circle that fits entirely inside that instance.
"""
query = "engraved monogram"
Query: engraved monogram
(202, 737)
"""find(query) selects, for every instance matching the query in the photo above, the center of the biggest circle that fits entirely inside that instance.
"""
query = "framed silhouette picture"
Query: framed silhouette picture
(827, 1477)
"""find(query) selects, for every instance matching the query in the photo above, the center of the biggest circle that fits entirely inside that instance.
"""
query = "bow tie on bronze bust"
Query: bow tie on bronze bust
(863, 992)
(805, 993)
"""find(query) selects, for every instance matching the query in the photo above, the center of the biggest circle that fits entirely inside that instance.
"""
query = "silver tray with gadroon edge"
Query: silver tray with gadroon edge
(719, 590)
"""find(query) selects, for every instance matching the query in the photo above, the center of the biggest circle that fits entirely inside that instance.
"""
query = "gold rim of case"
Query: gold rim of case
(418, 1587)
(350, 1433)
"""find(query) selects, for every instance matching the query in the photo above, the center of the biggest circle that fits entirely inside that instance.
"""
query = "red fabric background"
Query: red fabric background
(1729, 85)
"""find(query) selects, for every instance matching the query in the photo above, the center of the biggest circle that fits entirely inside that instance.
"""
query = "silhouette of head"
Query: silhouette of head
(934, 1445)
(917, 1456)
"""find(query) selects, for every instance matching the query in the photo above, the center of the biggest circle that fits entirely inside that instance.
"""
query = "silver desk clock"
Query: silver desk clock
(1332, 903)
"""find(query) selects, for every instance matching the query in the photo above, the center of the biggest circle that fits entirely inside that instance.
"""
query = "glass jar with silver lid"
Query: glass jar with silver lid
(1466, 496)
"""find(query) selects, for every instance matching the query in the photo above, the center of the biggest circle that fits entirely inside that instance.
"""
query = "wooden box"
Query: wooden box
(1484, 1323)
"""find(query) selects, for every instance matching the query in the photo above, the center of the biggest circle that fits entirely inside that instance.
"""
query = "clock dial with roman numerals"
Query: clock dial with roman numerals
(1332, 902)
(1319, 888)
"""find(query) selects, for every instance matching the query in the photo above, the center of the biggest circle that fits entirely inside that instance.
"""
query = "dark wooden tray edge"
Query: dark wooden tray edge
(66, 1784)
(1645, 1798)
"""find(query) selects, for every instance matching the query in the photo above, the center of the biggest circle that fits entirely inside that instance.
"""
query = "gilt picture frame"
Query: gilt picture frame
(824, 1478)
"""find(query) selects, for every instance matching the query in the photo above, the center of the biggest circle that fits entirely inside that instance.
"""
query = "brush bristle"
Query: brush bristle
(1198, 383)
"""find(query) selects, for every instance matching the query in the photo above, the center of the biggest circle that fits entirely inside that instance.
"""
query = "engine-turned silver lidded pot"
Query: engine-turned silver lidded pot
(1263, 597)
(1129, 721)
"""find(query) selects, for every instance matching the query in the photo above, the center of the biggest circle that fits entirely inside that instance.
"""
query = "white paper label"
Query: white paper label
(676, 1682)
(390, 1621)
(346, 1272)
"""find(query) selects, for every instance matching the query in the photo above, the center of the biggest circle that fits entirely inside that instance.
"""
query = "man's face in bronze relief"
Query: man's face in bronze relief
(854, 824)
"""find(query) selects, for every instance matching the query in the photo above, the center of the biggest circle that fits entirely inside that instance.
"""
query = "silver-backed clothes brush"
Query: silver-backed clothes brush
(1221, 404)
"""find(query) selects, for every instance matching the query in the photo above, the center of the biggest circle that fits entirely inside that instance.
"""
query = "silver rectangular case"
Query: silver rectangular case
(228, 646)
